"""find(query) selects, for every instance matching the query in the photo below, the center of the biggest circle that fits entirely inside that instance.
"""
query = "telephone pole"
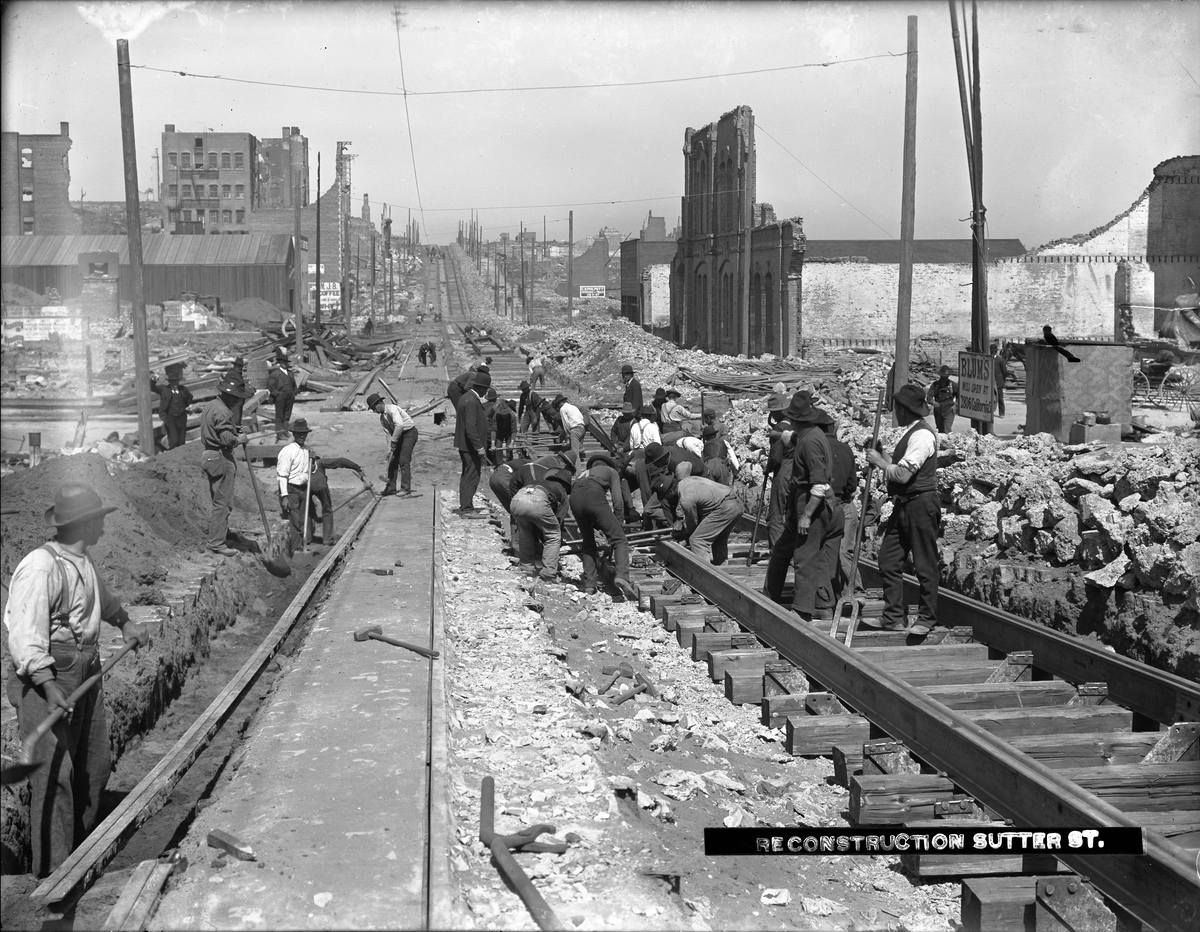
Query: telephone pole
(317, 310)
(570, 254)
(133, 220)
(908, 195)
(300, 273)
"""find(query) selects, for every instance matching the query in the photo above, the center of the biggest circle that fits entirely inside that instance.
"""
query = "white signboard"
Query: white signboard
(591, 291)
(312, 268)
(975, 380)
(40, 328)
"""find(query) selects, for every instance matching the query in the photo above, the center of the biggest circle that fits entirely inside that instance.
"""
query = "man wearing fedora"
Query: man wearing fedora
(703, 513)
(633, 388)
(622, 426)
(813, 519)
(55, 605)
(943, 395)
(470, 439)
(845, 489)
(665, 461)
(294, 470)
(591, 493)
(173, 401)
(571, 422)
(779, 465)
(542, 507)
(219, 435)
(912, 528)
(529, 409)
(402, 440)
(281, 384)
(673, 413)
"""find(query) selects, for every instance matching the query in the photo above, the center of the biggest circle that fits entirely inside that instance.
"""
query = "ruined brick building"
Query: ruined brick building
(735, 279)
(646, 276)
(35, 180)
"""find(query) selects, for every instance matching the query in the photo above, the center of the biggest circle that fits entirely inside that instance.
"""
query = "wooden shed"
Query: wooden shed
(255, 265)
(1058, 392)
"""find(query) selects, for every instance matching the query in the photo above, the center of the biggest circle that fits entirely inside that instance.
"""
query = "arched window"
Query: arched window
(702, 199)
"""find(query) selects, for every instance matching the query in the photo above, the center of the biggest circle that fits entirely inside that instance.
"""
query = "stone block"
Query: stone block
(1091, 507)
(1110, 574)
(1094, 551)
(1129, 502)
(1043, 543)
(1066, 539)
(1074, 489)
(985, 522)
(1011, 531)
(1114, 527)
(1185, 573)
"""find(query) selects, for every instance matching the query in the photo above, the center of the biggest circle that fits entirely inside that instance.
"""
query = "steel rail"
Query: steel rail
(1159, 887)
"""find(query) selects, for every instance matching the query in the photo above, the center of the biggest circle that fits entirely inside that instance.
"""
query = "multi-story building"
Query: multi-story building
(35, 178)
(210, 181)
(283, 165)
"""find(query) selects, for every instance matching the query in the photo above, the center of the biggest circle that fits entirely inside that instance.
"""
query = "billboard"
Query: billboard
(976, 373)
(591, 291)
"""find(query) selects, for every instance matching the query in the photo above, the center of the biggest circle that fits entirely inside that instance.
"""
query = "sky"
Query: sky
(1079, 100)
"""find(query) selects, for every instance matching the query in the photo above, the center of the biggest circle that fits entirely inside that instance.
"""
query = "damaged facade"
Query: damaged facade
(646, 276)
(735, 279)
(35, 178)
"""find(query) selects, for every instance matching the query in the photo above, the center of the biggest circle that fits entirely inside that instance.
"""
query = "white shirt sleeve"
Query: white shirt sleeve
(691, 444)
(922, 444)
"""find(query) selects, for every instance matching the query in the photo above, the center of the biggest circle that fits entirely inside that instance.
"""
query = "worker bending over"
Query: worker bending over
(542, 506)
(593, 490)
(703, 513)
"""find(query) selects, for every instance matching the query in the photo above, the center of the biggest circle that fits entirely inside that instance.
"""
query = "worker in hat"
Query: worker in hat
(529, 409)
(318, 491)
(237, 372)
(717, 456)
(530, 471)
(499, 482)
(999, 378)
(597, 502)
(633, 388)
(572, 423)
(701, 511)
(623, 426)
(459, 384)
(470, 439)
(542, 507)
(293, 470)
(912, 527)
(664, 461)
(642, 433)
(504, 419)
(56, 602)
(401, 431)
(844, 485)
(779, 465)
(660, 399)
(673, 413)
(219, 435)
(537, 371)
(281, 384)
(173, 401)
(813, 519)
(942, 395)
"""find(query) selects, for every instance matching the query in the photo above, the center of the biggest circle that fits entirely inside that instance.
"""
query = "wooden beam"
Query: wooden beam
(86, 862)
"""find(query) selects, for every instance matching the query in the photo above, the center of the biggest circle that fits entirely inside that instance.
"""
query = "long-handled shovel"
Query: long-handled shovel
(25, 764)
(848, 597)
(762, 498)
(277, 565)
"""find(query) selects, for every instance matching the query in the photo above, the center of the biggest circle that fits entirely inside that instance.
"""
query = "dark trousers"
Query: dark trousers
(498, 483)
(323, 499)
(710, 540)
(66, 790)
(1000, 400)
(912, 530)
(296, 528)
(943, 419)
(220, 469)
(841, 579)
(531, 421)
(283, 414)
(468, 482)
(422, 355)
(401, 459)
(590, 507)
(809, 556)
(175, 428)
(777, 504)
(827, 594)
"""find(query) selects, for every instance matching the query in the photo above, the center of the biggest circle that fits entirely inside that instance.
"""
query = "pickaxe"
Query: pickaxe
(375, 632)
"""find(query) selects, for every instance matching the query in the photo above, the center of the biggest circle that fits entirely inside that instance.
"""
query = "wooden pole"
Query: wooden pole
(299, 275)
(524, 293)
(570, 255)
(746, 223)
(532, 261)
(907, 214)
(133, 220)
(979, 278)
(317, 310)
(346, 265)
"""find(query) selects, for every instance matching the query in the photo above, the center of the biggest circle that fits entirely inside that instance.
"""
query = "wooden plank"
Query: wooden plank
(820, 703)
(1003, 695)
(84, 864)
(1062, 751)
(743, 686)
(119, 914)
(891, 658)
(685, 630)
(847, 763)
(1009, 723)
(1154, 886)
(940, 867)
(1142, 787)
(998, 904)
(776, 709)
(815, 735)
(703, 641)
(718, 660)
(958, 674)
(893, 799)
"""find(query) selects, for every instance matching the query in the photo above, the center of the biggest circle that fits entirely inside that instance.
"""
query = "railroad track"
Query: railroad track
(996, 721)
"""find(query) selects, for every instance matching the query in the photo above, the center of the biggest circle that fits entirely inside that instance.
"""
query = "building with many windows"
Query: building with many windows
(35, 178)
(283, 164)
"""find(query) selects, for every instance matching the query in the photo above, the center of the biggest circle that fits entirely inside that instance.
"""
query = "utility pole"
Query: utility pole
(317, 311)
(532, 277)
(524, 293)
(570, 254)
(387, 244)
(358, 268)
(300, 273)
(133, 220)
(908, 194)
(496, 284)
(408, 249)
(506, 277)
(372, 277)
(346, 271)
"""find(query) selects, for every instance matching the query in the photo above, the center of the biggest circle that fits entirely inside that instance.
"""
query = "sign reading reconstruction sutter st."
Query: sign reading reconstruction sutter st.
(975, 374)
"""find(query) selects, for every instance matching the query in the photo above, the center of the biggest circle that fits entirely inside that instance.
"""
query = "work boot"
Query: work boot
(387, 492)
(625, 587)
(223, 551)
(409, 493)
(921, 628)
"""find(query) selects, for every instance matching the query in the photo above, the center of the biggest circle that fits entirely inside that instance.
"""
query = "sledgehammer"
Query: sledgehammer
(376, 633)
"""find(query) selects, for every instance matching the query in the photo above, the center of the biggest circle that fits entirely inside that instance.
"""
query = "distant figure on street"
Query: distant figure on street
(633, 388)
(470, 439)
(402, 440)
(219, 436)
(529, 409)
(369, 327)
(1000, 377)
(943, 396)
(173, 401)
(55, 605)
(281, 383)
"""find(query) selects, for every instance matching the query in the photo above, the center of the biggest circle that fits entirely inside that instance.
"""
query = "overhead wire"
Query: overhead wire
(408, 122)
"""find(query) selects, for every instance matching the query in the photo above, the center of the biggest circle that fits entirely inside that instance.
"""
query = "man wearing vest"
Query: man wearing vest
(281, 383)
(529, 409)
(55, 605)
(470, 439)
(633, 388)
(814, 519)
(779, 465)
(913, 526)
(402, 437)
(173, 401)
(943, 395)
(673, 413)
(219, 436)
(590, 495)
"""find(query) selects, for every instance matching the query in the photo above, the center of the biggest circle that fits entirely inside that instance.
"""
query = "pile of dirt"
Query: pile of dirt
(18, 296)
(253, 311)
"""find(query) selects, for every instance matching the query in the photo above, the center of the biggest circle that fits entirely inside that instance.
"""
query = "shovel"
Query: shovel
(25, 764)
(276, 566)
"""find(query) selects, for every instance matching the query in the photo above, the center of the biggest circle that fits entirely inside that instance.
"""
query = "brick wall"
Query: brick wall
(49, 178)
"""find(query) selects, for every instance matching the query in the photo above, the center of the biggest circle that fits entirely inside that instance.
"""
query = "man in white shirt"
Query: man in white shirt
(293, 468)
(402, 437)
(643, 432)
(537, 372)
(673, 413)
(572, 422)
(691, 444)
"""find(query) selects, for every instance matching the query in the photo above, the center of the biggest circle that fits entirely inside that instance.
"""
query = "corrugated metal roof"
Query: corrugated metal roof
(157, 249)
(931, 251)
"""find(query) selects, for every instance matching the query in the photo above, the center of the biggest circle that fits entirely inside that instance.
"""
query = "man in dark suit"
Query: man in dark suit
(470, 439)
